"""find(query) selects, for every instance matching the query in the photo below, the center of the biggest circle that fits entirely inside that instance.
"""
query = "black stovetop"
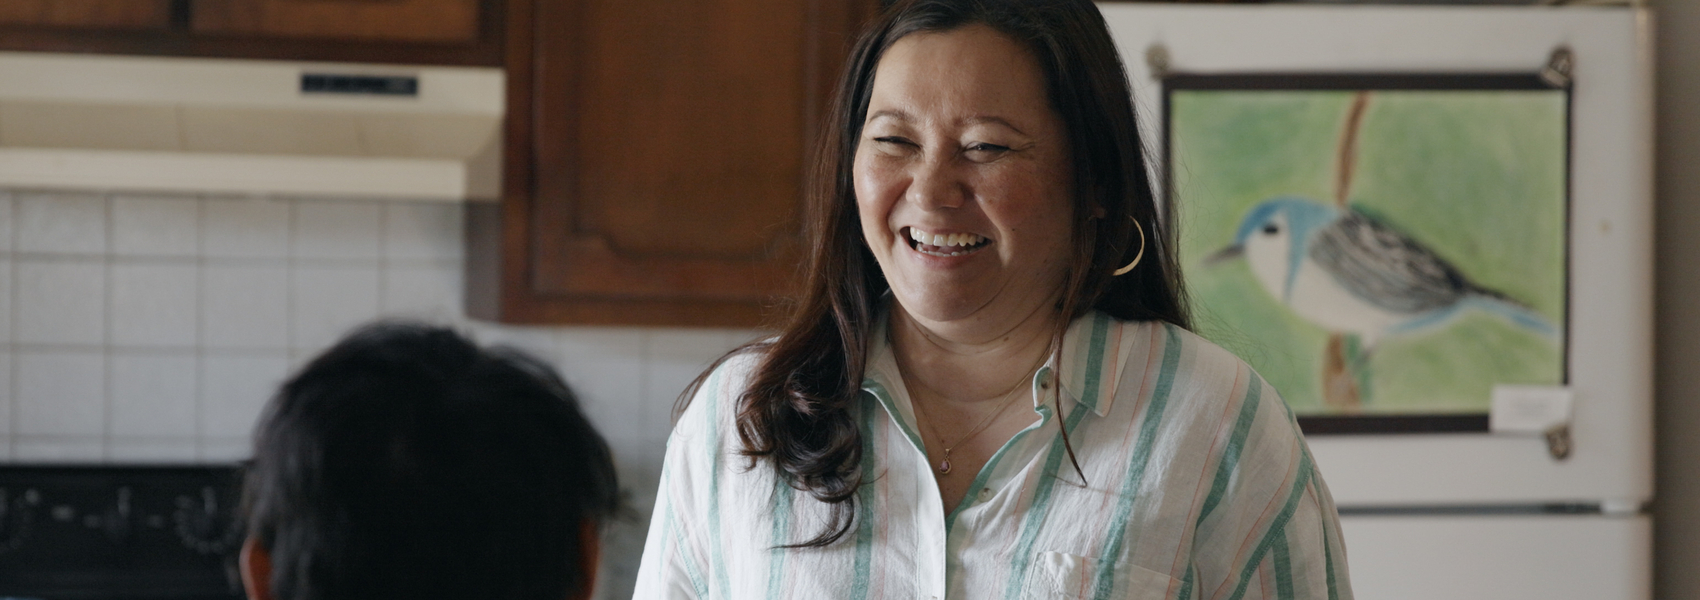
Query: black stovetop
(118, 532)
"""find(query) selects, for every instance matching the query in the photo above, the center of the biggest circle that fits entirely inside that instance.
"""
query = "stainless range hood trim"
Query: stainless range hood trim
(179, 125)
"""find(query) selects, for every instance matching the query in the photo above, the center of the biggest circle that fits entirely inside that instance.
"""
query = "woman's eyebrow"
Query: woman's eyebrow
(995, 120)
(898, 115)
(889, 113)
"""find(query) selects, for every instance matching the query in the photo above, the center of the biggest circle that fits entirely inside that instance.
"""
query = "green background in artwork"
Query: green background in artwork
(1476, 176)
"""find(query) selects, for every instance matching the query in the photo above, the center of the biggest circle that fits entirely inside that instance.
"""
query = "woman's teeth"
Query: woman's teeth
(953, 244)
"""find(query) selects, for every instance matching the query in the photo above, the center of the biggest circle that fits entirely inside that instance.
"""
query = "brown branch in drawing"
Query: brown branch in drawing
(1347, 158)
(1339, 384)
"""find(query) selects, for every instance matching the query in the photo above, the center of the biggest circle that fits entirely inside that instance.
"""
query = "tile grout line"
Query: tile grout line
(290, 277)
(12, 384)
(199, 419)
(110, 227)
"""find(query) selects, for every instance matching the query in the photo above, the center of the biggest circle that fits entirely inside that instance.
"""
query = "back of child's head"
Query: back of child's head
(407, 462)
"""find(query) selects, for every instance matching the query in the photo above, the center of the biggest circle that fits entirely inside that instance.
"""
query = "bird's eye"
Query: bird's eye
(1271, 229)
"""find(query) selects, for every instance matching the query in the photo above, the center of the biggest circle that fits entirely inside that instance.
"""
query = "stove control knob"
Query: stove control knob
(117, 519)
(17, 514)
(201, 527)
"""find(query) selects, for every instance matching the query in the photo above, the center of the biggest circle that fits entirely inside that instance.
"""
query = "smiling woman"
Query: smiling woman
(962, 181)
(979, 189)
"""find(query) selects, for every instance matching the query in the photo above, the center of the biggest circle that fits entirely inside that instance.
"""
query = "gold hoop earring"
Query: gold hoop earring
(1136, 257)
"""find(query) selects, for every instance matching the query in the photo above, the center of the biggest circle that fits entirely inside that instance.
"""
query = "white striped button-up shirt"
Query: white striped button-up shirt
(1197, 486)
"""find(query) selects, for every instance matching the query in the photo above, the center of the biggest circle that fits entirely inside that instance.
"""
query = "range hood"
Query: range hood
(78, 121)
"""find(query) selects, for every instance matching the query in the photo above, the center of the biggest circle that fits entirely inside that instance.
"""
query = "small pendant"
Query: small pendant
(944, 465)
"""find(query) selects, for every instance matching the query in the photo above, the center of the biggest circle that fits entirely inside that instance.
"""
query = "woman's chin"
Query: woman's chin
(958, 308)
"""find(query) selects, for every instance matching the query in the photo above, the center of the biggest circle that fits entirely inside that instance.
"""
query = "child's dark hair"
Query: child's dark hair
(407, 462)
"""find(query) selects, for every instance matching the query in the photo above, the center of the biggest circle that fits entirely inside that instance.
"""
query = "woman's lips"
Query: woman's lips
(944, 244)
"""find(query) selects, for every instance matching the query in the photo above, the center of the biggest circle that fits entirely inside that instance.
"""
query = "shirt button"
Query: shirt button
(985, 494)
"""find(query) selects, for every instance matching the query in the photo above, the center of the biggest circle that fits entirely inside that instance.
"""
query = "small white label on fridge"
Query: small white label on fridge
(1529, 408)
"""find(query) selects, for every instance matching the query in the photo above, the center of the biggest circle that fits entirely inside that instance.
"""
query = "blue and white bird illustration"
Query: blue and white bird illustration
(1347, 272)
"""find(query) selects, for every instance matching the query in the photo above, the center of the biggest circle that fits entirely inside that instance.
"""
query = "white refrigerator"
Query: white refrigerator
(1483, 514)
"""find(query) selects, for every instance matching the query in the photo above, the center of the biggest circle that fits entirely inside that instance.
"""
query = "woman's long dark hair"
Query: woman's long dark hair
(797, 412)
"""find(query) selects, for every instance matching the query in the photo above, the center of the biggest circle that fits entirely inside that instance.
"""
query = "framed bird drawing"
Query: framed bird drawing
(1384, 249)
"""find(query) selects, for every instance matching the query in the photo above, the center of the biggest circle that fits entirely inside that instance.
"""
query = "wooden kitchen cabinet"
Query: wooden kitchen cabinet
(442, 21)
(88, 14)
(655, 159)
(433, 32)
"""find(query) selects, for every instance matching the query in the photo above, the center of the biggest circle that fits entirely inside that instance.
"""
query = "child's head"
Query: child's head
(407, 462)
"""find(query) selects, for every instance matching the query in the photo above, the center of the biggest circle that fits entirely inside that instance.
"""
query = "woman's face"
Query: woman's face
(962, 178)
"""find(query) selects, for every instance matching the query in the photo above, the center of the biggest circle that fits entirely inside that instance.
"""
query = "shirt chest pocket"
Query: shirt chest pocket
(1060, 576)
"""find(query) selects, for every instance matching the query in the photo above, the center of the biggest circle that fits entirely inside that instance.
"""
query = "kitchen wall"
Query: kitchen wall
(146, 329)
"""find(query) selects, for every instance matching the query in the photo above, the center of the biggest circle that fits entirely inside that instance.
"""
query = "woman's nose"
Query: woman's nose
(934, 184)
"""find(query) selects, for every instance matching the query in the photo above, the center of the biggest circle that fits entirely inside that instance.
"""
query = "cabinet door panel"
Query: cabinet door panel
(666, 151)
(437, 21)
(88, 14)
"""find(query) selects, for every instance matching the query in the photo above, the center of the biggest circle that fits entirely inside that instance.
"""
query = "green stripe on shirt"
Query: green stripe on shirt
(1231, 454)
(1283, 569)
(1136, 468)
(865, 510)
(722, 582)
(782, 498)
(1277, 528)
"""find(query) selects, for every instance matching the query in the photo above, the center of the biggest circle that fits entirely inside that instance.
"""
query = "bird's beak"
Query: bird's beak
(1234, 251)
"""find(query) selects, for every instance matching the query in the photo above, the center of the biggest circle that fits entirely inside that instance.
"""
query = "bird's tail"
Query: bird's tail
(1517, 314)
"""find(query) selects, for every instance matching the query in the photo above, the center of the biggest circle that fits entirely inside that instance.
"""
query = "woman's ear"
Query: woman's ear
(589, 556)
(256, 567)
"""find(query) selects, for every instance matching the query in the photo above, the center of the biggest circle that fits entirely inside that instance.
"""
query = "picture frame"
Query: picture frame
(1384, 248)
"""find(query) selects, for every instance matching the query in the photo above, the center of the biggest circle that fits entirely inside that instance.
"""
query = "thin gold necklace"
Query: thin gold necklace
(1008, 400)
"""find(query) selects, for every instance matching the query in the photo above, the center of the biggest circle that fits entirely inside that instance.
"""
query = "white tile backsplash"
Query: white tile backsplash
(325, 302)
(337, 230)
(431, 293)
(155, 226)
(235, 388)
(154, 395)
(674, 358)
(61, 301)
(60, 393)
(155, 304)
(423, 231)
(133, 450)
(5, 299)
(245, 306)
(224, 449)
(540, 342)
(5, 396)
(154, 329)
(604, 366)
(244, 228)
(61, 223)
(56, 449)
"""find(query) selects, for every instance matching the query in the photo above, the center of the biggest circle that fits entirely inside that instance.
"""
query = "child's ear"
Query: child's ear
(589, 556)
(256, 567)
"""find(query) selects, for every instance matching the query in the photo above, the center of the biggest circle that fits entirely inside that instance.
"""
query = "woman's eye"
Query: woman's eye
(984, 150)
(892, 139)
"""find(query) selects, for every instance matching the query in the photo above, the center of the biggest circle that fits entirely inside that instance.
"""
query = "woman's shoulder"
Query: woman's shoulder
(1166, 358)
(1174, 347)
(713, 404)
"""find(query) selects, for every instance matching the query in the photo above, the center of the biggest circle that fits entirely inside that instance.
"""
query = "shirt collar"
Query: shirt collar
(1094, 354)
